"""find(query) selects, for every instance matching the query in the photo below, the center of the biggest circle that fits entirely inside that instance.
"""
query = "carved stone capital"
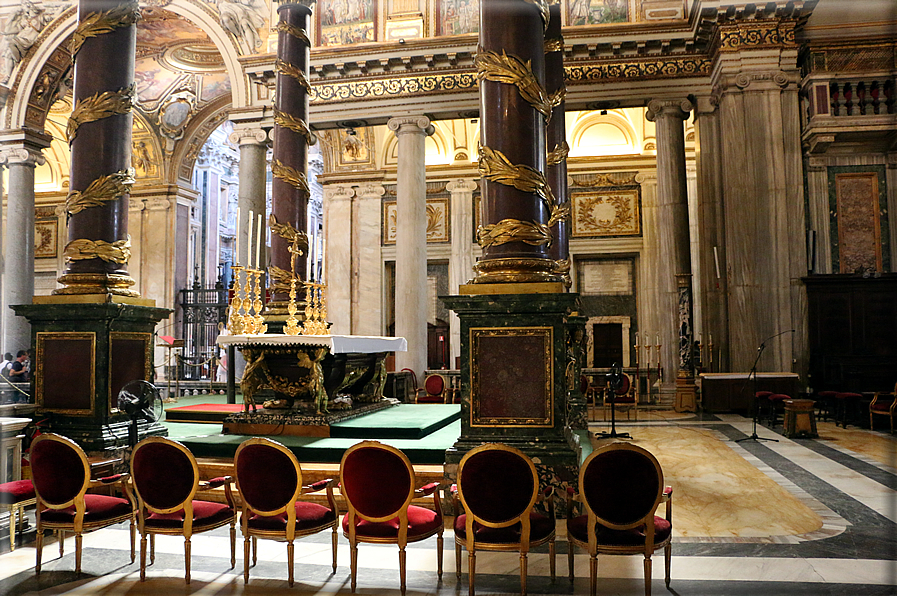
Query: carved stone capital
(135, 205)
(370, 191)
(22, 156)
(461, 185)
(706, 104)
(159, 204)
(643, 177)
(410, 124)
(248, 136)
(672, 108)
(338, 192)
(60, 210)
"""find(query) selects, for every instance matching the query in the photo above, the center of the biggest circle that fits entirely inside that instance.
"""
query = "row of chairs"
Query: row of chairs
(497, 491)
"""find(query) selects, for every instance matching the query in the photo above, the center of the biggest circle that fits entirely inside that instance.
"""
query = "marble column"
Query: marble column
(461, 262)
(556, 163)
(18, 250)
(367, 286)
(411, 241)
(712, 231)
(251, 191)
(674, 254)
(338, 230)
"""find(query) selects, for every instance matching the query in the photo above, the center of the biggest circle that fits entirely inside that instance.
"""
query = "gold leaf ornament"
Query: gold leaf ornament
(290, 175)
(99, 23)
(558, 154)
(293, 72)
(511, 70)
(100, 191)
(288, 232)
(294, 124)
(99, 106)
(293, 31)
(559, 213)
(496, 167)
(281, 279)
(543, 5)
(84, 249)
(514, 230)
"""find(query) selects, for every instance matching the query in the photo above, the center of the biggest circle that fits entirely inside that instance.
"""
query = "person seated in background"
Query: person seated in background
(19, 372)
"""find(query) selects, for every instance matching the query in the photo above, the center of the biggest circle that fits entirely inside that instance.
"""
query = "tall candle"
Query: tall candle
(323, 261)
(259, 243)
(657, 337)
(249, 242)
(237, 239)
(308, 261)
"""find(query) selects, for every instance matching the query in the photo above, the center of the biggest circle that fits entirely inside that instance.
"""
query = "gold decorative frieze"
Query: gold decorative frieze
(294, 72)
(297, 125)
(514, 230)
(437, 221)
(599, 180)
(290, 175)
(293, 31)
(84, 249)
(605, 213)
(100, 191)
(511, 70)
(99, 106)
(774, 33)
(107, 21)
(641, 69)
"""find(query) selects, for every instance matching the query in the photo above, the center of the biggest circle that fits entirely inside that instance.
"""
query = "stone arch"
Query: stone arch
(201, 126)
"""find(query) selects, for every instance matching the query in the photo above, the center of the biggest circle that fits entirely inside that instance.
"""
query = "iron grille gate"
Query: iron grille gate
(204, 309)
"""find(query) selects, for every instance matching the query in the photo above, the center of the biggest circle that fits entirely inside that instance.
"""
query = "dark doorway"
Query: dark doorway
(608, 344)
(438, 348)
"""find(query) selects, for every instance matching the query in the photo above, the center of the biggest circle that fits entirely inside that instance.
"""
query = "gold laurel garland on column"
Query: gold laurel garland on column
(293, 31)
(281, 279)
(107, 21)
(558, 154)
(495, 167)
(558, 97)
(514, 230)
(103, 189)
(288, 232)
(501, 68)
(290, 175)
(83, 249)
(543, 5)
(99, 106)
(295, 124)
(555, 44)
(293, 72)
(559, 213)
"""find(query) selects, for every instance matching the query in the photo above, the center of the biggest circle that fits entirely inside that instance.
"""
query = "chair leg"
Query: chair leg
(439, 545)
(233, 545)
(290, 558)
(255, 550)
(133, 539)
(458, 560)
(353, 564)
(648, 576)
(552, 552)
(570, 561)
(471, 570)
(593, 575)
(61, 536)
(143, 557)
(523, 560)
(39, 546)
(12, 528)
(402, 569)
(187, 559)
(152, 539)
(335, 541)
(667, 557)
(79, 541)
(246, 560)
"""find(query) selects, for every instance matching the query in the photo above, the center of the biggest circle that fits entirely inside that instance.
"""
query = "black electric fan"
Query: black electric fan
(140, 400)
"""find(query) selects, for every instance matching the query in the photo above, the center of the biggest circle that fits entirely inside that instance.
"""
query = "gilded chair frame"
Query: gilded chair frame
(187, 529)
(290, 533)
(523, 547)
(889, 413)
(402, 514)
(445, 394)
(78, 526)
(12, 509)
(664, 495)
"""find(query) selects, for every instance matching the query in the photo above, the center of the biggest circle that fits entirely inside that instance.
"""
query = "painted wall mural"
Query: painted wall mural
(606, 212)
(344, 22)
(595, 12)
(458, 16)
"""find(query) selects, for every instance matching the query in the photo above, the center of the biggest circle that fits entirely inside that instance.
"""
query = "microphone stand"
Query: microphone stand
(753, 374)
(613, 434)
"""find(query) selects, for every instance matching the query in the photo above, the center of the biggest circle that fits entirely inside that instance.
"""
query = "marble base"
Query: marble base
(302, 422)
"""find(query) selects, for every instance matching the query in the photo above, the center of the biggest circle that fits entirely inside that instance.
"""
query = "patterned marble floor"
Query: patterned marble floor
(808, 517)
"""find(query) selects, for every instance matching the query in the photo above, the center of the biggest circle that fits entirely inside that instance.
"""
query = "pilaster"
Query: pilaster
(367, 289)
(338, 230)
(462, 260)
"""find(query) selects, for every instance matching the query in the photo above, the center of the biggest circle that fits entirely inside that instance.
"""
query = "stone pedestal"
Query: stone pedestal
(85, 352)
(515, 381)
(800, 420)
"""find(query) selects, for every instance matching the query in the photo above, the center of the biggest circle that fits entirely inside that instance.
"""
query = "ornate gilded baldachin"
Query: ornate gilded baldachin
(99, 106)
(99, 23)
(84, 249)
(100, 191)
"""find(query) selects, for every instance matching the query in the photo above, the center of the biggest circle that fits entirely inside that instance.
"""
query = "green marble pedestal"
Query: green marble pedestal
(520, 358)
(84, 353)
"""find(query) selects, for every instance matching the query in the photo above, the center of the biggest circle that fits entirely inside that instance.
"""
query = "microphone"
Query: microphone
(763, 343)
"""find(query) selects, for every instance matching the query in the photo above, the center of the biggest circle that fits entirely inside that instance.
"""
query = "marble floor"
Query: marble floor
(808, 517)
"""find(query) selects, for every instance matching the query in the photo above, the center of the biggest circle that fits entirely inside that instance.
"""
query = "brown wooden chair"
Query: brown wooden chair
(166, 480)
(620, 487)
(377, 481)
(61, 476)
(883, 404)
(498, 487)
(269, 480)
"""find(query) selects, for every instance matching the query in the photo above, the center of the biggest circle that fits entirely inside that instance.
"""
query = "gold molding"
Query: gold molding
(147, 359)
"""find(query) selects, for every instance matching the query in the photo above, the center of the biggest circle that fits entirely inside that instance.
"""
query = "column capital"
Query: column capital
(674, 108)
(248, 136)
(706, 104)
(461, 185)
(370, 191)
(338, 192)
(410, 124)
(21, 156)
(136, 205)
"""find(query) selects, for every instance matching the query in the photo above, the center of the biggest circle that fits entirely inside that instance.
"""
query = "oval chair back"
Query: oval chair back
(165, 476)
(498, 486)
(377, 481)
(269, 479)
(60, 472)
(434, 384)
(621, 485)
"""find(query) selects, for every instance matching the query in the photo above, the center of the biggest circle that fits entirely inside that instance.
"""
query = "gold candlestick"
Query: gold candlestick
(292, 327)
(259, 303)
(235, 319)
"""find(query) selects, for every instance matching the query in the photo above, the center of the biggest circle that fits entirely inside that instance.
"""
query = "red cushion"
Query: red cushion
(430, 399)
(376, 481)
(421, 521)
(96, 508)
(434, 385)
(763, 394)
(308, 515)
(540, 528)
(497, 485)
(825, 394)
(882, 405)
(267, 477)
(205, 513)
(847, 395)
(778, 397)
(16, 491)
(578, 527)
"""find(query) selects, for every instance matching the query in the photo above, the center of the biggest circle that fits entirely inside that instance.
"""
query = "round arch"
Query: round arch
(611, 126)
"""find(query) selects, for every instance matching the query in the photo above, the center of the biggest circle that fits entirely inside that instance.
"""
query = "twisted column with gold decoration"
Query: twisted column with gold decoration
(292, 136)
(519, 206)
(99, 134)
(556, 168)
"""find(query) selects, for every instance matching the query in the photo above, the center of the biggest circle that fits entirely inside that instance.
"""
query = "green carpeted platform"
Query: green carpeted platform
(406, 421)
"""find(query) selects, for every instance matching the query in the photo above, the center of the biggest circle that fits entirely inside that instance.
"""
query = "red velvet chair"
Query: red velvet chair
(883, 404)
(14, 497)
(846, 406)
(498, 487)
(378, 483)
(434, 391)
(166, 480)
(620, 487)
(776, 405)
(269, 480)
(61, 476)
